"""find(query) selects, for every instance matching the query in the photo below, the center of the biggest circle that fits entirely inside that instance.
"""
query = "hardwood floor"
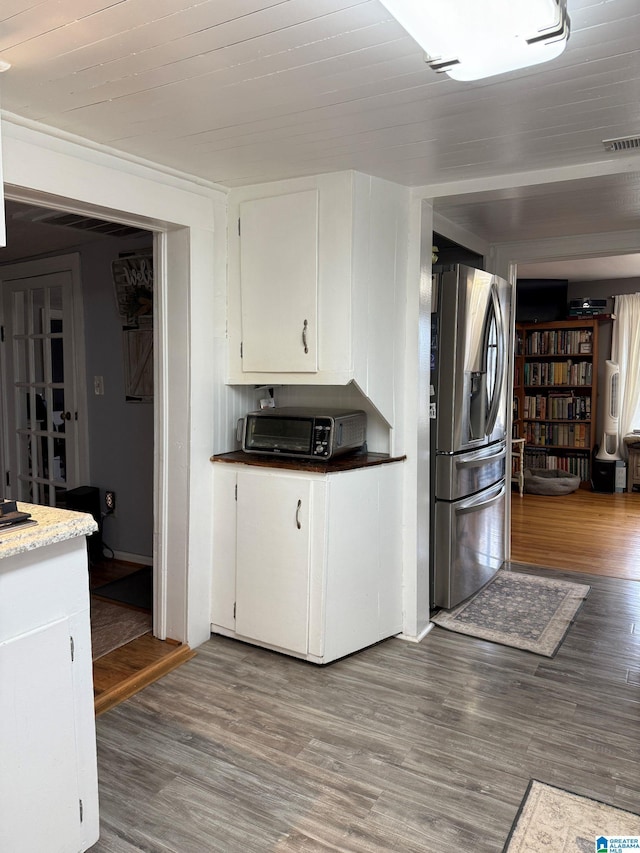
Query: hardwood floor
(584, 531)
(136, 664)
(402, 747)
(106, 571)
(126, 670)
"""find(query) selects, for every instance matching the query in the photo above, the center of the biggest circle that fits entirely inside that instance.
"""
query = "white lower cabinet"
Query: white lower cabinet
(48, 780)
(273, 530)
(51, 753)
(307, 564)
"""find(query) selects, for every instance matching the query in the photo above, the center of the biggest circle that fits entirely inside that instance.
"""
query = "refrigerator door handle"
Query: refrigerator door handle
(494, 403)
(477, 502)
(481, 456)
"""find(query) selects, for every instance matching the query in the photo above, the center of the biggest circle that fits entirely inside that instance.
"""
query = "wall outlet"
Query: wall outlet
(110, 501)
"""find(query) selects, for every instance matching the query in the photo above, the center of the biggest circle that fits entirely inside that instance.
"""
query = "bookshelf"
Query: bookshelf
(555, 393)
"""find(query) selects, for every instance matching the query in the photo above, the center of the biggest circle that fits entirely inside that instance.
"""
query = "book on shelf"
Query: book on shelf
(559, 342)
(568, 435)
(546, 373)
(556, 387)
(573, 463)
(558, 406)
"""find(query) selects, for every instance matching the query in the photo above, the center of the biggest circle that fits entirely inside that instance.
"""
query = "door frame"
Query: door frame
(44, 266)
(161, 468)
(54, 169)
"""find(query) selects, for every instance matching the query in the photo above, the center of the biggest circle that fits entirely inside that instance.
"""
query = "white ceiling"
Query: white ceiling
(591, 269)
(243, 91)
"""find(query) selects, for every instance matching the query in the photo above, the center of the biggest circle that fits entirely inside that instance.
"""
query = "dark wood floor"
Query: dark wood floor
(401, 747)
(106, 571)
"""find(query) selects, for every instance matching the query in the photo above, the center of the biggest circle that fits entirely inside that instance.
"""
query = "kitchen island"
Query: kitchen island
(48, 783)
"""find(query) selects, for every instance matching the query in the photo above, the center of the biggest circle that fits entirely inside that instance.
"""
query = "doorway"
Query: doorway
(585, 531)
(70, 423)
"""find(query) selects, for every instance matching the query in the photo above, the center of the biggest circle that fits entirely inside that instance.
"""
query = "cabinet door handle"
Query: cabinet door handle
(305, 327)
(299, 507)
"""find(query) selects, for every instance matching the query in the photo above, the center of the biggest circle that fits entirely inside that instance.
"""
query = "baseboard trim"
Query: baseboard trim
(409, 638)
(126, 557)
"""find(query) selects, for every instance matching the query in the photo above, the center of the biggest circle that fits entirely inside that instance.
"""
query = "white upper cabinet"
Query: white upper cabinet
(317, 283)
(279, 283)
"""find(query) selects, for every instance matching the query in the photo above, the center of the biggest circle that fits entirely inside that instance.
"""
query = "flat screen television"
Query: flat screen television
(541, 300)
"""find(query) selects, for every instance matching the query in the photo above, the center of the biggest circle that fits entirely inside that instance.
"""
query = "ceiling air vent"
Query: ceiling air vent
(624, 143)
(89, 224)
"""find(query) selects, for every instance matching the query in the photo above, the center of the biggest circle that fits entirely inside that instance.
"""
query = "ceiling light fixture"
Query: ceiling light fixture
(470, 40)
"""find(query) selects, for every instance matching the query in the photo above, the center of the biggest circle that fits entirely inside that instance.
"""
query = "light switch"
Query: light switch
(98, 385)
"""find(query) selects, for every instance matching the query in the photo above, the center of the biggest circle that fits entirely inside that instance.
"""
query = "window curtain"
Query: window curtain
(625, 351)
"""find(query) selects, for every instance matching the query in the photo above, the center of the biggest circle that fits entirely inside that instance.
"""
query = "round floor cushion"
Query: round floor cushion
(549, 481)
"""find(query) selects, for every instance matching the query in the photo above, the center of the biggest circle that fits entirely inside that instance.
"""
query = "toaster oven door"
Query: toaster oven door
(273, 434)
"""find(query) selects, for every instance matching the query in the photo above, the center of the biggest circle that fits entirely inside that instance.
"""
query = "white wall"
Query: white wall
(52, 169)
(415, 419)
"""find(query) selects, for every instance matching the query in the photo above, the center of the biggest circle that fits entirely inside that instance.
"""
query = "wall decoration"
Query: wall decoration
(133, 281)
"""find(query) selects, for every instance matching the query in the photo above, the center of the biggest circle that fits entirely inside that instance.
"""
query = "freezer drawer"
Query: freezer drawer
(466, 473)
(468, 545)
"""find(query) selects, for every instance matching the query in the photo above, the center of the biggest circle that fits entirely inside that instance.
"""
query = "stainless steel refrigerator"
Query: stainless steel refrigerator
(470, 332)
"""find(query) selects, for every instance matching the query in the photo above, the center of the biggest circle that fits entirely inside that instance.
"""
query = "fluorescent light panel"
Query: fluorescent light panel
(472, 39)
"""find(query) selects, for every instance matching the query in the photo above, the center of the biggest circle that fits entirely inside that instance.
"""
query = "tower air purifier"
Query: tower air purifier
(609, 445)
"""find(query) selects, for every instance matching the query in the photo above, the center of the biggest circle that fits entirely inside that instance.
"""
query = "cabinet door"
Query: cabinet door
(279, 283)
(273, 541)
(38, 743)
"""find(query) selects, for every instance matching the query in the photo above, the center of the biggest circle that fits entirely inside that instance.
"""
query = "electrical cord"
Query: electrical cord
(106, 547)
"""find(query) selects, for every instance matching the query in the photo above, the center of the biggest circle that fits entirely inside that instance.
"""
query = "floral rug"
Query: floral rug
(558, 821)
(525, 611)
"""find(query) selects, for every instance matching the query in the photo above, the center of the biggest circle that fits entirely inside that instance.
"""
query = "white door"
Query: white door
(273, 559)
(279, 283)
(44, 419)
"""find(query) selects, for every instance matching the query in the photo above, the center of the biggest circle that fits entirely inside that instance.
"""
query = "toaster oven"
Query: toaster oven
(306, 433)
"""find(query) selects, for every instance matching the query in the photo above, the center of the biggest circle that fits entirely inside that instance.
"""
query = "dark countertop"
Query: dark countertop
(348, 462)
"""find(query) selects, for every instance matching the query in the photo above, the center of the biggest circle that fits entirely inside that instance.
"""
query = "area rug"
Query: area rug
(113, 625)
(527, 612)
(135, 589)
(557, 821)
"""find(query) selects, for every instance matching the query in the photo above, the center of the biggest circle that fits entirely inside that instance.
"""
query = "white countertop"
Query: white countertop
(54, 525)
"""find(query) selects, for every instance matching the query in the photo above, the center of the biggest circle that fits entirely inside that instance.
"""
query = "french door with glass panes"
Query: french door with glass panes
(40, 384)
